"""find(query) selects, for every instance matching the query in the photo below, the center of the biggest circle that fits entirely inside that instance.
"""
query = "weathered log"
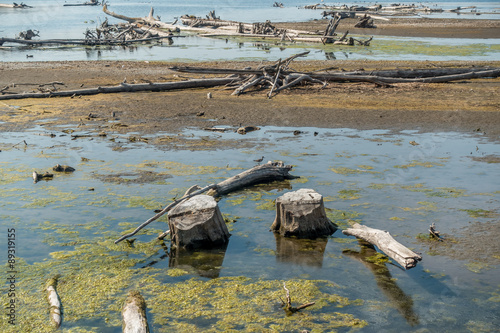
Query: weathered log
(54, 301)
(197, 223)
(302, 214)
(134, 314)
(271, 171)
(386, 243)
(96, 42)
(125, 87)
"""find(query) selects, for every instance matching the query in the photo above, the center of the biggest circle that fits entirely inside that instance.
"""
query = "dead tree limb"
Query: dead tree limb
(289, 309)
(271, 171)
(386, 243)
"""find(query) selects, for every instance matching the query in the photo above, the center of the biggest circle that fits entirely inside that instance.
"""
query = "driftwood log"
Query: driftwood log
(134, 314)
(271, 171)
(125, 87)
(54, 302)
(386, 243)
(302, 214)
(197, 223)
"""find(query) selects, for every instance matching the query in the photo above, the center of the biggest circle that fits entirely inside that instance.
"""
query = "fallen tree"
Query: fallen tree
(386, 243)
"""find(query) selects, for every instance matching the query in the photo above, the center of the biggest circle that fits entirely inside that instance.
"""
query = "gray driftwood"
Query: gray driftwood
(271, 171)
(125, 87)
(134, 314)
(197, 223)
(386, 243)
(302, 214)
(54, 302)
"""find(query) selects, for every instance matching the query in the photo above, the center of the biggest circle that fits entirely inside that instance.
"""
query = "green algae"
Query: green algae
(179, 169)
(413, 164)
(12, 173)
(446, 192)
(425, 207)
(395, 218)
(480, 213)
(266, 204)
(244, 304)
(348, 171)
(349, 194)
(477, 266)
(50, 196)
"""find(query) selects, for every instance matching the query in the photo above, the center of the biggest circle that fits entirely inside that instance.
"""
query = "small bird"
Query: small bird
(259, 160)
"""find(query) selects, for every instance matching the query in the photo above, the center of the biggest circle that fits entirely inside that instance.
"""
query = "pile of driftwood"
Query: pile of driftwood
(15, 5)
(275, 78)
(105, 34)
(213, 26)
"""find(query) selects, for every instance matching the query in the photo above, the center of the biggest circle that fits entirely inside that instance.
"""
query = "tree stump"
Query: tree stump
(197, 223)
(302, 214)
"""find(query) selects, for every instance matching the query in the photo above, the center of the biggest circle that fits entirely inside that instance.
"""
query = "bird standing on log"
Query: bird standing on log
(259, 160)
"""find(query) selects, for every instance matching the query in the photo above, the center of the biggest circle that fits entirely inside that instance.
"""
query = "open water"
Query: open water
(53, 20)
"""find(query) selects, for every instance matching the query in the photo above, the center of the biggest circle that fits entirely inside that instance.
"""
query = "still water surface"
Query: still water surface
(376, 178)
(53, 20)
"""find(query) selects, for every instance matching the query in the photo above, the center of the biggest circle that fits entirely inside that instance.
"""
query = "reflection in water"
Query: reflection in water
(308, 252)
(205, 263)
(401, 301)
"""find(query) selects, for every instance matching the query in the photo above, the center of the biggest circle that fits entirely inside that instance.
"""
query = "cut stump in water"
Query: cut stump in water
(386, 243)
(134, 314)
(302, 214)
(197, 223)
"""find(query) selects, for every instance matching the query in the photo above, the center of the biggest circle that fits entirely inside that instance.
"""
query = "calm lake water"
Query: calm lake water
(53, 20)
(67, 226)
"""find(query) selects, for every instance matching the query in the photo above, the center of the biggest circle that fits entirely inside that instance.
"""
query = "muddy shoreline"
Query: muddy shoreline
(467, 106)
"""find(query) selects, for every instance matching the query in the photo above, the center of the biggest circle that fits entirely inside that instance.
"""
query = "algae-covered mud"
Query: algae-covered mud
(66, 227)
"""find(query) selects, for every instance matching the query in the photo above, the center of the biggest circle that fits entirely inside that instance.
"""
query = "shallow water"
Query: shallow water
(53, 20)
(373, 177)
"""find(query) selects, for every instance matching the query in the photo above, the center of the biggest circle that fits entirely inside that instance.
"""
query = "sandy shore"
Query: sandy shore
(470, 106)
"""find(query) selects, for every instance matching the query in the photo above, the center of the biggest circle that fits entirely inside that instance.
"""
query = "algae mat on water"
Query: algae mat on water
(96, 275)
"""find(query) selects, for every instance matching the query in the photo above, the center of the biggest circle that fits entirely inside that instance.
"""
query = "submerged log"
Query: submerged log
(302, 214)
(134, 314)
(197, 223)
(386, 243)
(54, 302)
(271, 171)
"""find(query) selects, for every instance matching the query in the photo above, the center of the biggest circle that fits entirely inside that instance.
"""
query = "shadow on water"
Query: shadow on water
(398, 298)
